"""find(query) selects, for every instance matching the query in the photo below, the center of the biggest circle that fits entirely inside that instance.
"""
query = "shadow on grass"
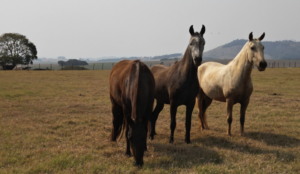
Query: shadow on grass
(274, 139)
(223, 143)
(181, 156)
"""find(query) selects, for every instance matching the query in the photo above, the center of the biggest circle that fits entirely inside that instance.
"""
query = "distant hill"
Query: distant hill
(273, 50)
(168, 56)
(164, 57)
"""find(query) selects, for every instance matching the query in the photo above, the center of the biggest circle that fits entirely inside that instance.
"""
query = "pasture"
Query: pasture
(60, 122)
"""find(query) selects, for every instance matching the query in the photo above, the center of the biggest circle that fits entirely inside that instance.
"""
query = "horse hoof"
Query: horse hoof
(138, 164)
(188, 141)
(171, 141)
(151, 137)
(242, 134)
(128, 154)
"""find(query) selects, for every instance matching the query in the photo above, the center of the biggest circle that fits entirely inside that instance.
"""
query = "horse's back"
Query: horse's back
(210, 65)
(158, 68)
(211, 70)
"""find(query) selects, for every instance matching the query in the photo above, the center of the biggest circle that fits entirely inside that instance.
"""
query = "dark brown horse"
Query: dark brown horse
(132, 96)
(178, 85)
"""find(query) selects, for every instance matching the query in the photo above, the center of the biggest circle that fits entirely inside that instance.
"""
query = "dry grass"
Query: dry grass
(59, 122)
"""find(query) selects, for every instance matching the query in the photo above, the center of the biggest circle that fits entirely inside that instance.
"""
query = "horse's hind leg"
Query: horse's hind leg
(202, 104)
(128, 152)
(229, 104)
(199, 100)
(117, 120)
(159, 106)
(244, 106)
(206, 103)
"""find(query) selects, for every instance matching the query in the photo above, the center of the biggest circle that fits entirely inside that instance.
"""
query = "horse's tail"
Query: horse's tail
(134, 88)
(132, 84)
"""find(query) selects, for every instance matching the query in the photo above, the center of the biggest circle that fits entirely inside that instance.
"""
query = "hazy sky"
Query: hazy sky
(74, 28)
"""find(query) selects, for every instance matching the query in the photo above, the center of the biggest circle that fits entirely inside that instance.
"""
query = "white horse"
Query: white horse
(230, 83)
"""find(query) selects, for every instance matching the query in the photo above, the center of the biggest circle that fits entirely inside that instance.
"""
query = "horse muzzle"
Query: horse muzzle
(198, 61)
(262, 66)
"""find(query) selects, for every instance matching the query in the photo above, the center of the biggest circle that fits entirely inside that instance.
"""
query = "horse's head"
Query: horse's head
(196, 45)
(255, 52)
(137, 137)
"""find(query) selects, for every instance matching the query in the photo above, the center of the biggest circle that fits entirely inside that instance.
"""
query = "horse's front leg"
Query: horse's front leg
(173, 110)
(244, 106)
(188, 119)
(229, 104)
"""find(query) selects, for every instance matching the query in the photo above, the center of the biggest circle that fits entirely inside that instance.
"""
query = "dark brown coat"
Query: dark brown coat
(132, 96)
(178, 85)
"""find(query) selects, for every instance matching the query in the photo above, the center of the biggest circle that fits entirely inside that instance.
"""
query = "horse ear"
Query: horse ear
(262, 36)
(202, 30)
(250, 36)
(192, 30)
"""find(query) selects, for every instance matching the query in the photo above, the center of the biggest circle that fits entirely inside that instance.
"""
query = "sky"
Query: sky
(101, 28)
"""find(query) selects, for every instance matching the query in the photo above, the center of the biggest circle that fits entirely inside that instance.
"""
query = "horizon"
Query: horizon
(118, 57)
(77, 29)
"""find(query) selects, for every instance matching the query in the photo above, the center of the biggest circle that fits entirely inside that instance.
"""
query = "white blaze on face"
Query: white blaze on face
(197, 47)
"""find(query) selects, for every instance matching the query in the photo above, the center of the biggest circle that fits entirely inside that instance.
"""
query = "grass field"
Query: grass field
(60, 121)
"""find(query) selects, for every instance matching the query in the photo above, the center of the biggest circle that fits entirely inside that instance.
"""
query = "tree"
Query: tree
(61, 63)
(16, 49)
(72, 62)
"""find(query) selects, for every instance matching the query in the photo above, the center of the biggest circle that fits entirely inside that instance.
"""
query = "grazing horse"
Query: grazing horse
(132, 96)
(178, 85)
(230, 83)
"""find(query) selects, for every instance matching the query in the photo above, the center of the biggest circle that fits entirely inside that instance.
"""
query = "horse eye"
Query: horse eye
(191, 43)
(253, 48)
